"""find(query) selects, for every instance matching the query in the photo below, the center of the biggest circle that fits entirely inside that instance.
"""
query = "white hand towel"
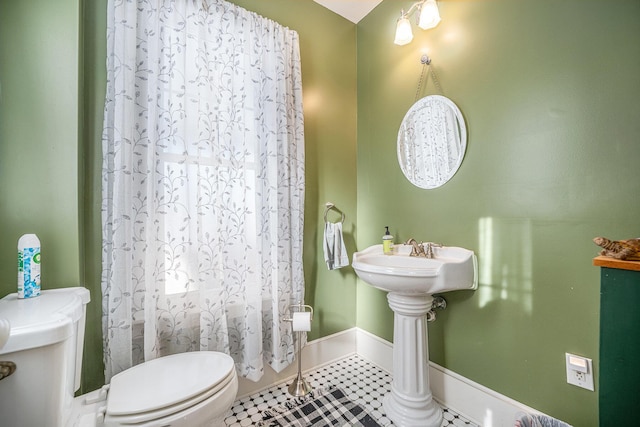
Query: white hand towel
(335, 252)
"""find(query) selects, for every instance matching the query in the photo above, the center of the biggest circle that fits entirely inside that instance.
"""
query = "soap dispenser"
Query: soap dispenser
(387, 242)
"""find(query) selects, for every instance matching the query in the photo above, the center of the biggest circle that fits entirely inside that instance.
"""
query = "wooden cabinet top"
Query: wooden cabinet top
(605, 261)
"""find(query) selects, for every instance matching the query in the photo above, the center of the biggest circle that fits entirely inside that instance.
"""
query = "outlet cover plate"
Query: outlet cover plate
(579, 371)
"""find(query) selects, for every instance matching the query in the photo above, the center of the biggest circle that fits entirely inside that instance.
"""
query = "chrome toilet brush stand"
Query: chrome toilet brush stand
(299, 387)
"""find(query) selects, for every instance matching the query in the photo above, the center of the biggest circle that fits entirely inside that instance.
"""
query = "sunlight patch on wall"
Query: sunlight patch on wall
(505, 261)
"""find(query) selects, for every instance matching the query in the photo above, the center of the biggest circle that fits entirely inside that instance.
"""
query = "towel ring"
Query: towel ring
(328, 207)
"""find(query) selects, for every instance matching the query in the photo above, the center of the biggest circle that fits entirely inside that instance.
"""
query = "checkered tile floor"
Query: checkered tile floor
(366, 382)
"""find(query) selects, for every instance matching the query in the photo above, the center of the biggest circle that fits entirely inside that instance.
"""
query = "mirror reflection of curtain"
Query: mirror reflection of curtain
(431, 141)
(203, 184)
(451, 156)
(441, 141)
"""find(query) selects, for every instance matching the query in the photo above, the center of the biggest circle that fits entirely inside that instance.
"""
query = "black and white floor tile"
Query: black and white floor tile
(366, 382)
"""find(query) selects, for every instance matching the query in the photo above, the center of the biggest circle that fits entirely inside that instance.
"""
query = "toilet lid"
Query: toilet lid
(166, 381)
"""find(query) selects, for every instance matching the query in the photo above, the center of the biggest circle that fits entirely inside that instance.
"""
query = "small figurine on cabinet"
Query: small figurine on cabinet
(619, 249)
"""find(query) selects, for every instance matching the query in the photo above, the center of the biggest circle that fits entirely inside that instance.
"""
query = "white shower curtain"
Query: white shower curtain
(203, 184)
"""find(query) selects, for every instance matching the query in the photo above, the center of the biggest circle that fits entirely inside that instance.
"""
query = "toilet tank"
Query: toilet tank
(45, 342)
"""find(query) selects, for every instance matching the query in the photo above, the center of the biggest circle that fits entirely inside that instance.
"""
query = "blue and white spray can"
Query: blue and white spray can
(28, 266)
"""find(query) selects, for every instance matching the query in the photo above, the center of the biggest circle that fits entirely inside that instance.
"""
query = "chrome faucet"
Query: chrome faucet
(417, 249)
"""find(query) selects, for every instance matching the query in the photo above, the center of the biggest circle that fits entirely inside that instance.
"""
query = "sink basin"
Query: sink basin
(451, 269)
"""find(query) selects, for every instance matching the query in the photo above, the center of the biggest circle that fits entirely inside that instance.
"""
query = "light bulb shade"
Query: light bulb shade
(404, 34)
(429, 15)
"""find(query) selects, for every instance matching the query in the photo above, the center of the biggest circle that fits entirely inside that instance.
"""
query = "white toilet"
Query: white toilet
(46, 342)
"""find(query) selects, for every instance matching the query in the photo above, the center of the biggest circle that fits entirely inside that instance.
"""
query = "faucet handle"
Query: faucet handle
(430, 246)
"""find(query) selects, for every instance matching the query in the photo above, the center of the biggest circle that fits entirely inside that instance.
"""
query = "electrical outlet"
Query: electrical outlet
(579, 371)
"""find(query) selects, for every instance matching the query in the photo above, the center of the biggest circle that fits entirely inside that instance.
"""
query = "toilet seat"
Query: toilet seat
(167, 385)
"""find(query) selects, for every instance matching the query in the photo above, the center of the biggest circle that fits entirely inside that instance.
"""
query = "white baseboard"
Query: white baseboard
(374, 349)
(474, 401)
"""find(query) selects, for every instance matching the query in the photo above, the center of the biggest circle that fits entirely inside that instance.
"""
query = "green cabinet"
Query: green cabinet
(619, 379)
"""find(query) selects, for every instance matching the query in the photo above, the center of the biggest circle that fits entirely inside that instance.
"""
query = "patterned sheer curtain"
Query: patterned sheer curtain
(203, 184)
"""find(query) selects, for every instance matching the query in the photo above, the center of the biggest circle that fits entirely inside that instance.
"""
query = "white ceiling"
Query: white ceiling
(353, 10)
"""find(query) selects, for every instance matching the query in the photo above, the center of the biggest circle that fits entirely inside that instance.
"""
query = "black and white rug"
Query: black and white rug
(328, 407)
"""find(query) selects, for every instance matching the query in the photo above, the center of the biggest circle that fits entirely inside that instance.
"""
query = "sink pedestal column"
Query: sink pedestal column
(410, 402)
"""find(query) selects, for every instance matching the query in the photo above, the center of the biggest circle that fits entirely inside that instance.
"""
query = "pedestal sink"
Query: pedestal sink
(411, 282)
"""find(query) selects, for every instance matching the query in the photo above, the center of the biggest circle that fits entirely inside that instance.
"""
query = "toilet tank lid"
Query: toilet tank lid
(43, 320)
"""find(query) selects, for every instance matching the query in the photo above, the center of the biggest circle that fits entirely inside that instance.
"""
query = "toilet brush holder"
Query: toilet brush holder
(300, 387)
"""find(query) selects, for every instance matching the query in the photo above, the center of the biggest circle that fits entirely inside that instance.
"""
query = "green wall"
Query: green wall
(549, 92)
(39, 128)
(94, 48)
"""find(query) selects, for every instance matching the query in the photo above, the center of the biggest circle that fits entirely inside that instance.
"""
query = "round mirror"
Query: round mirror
(431, 141)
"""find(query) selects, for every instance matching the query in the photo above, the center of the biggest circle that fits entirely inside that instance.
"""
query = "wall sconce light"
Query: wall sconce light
(429, 17)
